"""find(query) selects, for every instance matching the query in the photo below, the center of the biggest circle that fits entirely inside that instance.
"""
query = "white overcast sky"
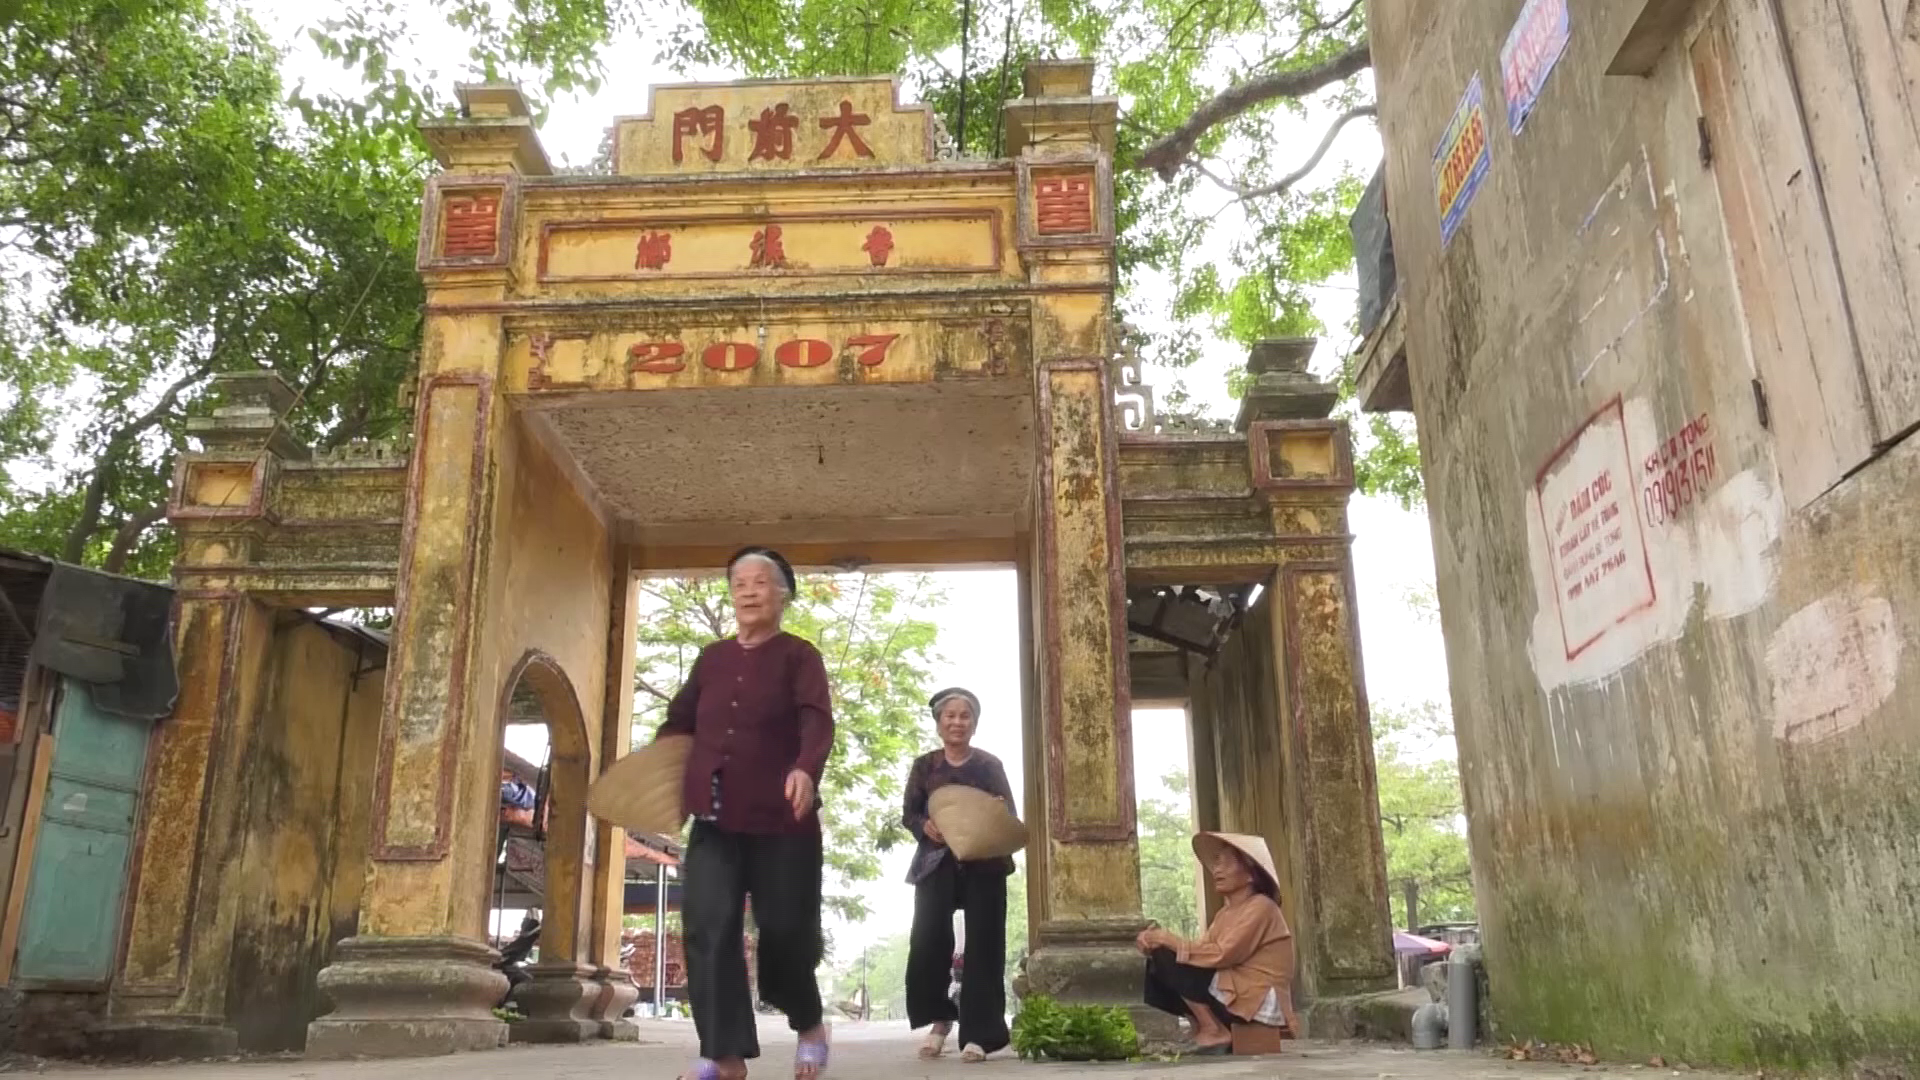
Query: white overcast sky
(1392, 550)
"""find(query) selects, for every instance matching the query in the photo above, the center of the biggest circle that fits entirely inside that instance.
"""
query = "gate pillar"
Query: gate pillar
(417, 979)
(169, 993)
(1086, 903)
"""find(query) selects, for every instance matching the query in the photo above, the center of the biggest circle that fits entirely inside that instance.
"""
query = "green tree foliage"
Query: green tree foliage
(1421, 815)
(878, 647)
(1169, 875)
(161, 222)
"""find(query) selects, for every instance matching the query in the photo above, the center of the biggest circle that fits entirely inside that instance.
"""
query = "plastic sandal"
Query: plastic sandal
(973, 1054)
(702, 1070)
(810, 1058)
(936, 1043)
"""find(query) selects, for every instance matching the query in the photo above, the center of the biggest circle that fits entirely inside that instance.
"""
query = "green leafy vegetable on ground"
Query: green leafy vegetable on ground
(1046, 1030)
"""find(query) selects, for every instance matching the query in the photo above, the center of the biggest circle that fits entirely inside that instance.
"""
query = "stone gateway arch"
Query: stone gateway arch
(783, 317)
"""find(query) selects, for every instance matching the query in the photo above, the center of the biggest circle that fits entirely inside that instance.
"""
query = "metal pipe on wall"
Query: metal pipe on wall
(660, 941)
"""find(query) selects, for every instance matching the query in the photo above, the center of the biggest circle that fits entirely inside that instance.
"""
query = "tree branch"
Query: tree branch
(75, 548)
(1243, 192)
(128, 535)
(1170, 152)
(642, 684)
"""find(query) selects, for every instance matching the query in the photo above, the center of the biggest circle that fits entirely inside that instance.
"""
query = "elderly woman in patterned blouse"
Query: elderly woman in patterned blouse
(942, 885)
(758, 708)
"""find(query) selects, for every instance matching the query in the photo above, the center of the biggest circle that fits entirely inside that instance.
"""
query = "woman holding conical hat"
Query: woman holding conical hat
(943, 883)
(758, 709)
(1241, 969)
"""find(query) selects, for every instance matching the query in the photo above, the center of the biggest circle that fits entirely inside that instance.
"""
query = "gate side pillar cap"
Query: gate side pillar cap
(493, 133)
(1281, 387)
(1060, 116)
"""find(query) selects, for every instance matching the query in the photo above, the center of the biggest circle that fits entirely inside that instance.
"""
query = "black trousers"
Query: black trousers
(1171, 984)
(979, 891)
(782, 875)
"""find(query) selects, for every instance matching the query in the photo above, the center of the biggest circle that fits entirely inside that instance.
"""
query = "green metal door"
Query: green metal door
(71, 925)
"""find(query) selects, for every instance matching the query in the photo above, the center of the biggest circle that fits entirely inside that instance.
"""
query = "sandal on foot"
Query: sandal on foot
(1216, 1050)
(702, 1070)
(936, 1043)
(973, 1054)
(810, 1057)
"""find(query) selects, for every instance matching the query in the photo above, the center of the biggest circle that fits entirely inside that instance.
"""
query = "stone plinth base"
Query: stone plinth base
(558, 1002)
(1097, 964)
(617, 994)
(409, 997)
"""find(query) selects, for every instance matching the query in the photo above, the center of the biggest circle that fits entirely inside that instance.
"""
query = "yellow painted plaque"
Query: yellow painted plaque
(643, 248)
(772, 125)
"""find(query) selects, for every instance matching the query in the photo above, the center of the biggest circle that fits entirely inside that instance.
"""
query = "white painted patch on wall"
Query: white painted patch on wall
(1832, 663)
(1717, 546)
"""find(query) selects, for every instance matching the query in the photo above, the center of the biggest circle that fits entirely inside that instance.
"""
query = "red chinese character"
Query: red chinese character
(470, 225)
(842, 127)
(1063, 204)
(768, 252)
(653, 252)
(879, 245)
(708, 123)
(773, 134)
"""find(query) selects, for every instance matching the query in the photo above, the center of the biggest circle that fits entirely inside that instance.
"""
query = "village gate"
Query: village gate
(783, 317)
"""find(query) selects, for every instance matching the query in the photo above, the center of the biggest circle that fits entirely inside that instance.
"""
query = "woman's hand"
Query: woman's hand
(933, 833)
(799, 793)
(1153, 937)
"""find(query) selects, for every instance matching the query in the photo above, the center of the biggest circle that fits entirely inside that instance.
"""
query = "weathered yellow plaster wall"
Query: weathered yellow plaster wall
(307, 795)
(549, 582)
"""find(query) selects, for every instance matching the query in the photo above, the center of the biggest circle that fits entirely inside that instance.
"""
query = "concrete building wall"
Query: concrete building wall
(1681, 615)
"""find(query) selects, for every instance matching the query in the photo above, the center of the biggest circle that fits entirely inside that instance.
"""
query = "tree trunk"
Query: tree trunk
(1410, 889)
(75, 549)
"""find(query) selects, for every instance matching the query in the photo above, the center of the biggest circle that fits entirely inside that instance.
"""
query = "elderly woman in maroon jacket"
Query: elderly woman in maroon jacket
(942, 885)
(758, 708)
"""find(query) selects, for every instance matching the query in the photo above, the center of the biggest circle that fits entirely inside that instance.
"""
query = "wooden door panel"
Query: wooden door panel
(1848, 68)
(1789, 282)
(70, 925)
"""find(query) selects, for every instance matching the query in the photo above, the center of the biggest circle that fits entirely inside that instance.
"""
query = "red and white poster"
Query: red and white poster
(1596, 542)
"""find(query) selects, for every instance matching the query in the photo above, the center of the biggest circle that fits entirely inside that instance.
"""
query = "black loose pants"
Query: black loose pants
(979, 891)
(782, 875)
(1172, 984)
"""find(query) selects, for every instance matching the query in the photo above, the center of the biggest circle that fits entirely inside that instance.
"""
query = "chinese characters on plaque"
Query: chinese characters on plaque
(702, 130)
(470, 224)
(1063, 203)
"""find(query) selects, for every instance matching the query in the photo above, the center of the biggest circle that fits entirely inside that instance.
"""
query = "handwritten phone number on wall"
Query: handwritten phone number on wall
(1679, 473)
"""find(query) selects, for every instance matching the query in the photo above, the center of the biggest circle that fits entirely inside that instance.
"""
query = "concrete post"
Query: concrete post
(1087, 905)
(1336, 864)
(169, 995)
(418, 978)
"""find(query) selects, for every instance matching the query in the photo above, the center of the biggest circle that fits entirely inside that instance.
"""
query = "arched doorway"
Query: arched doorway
(541, 854)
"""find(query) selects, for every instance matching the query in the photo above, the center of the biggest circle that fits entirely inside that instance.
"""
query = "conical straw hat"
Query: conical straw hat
(976, 825)
(1253, 847)
(641, 791)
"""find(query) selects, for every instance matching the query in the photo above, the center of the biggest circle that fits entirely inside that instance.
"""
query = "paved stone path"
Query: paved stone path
(861, 1052)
